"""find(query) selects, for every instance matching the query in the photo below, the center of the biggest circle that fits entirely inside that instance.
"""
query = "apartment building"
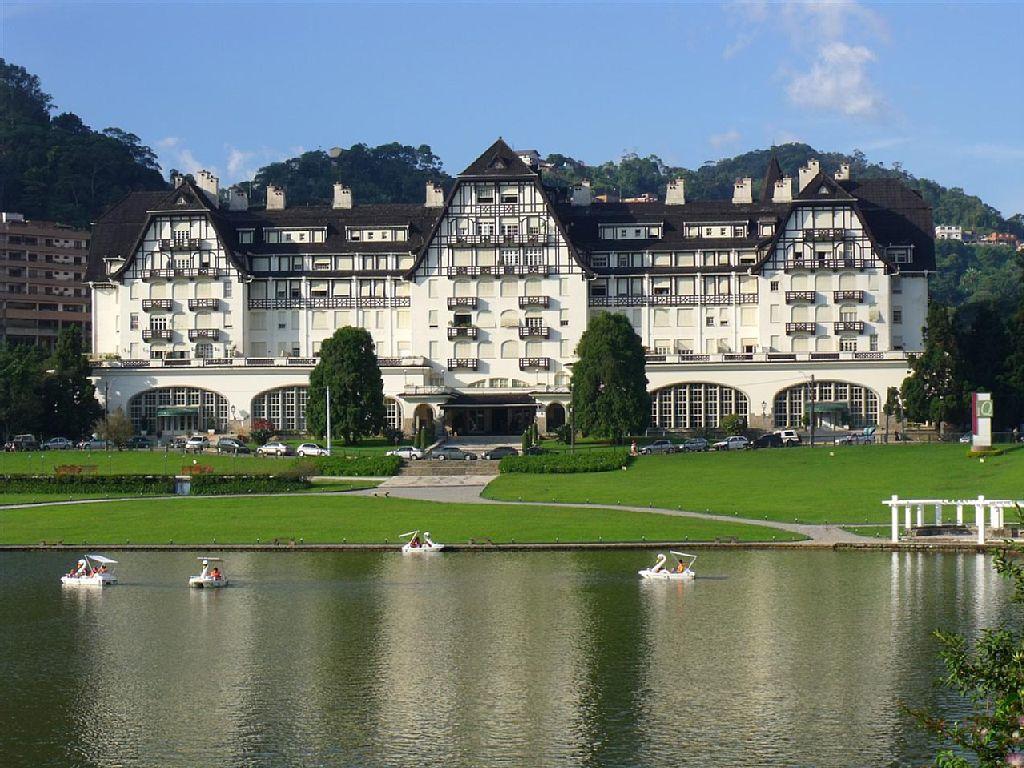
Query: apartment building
(210, 312)
(42, 280)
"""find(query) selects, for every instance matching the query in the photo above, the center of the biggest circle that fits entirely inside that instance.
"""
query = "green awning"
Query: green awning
(827, 407)
(179, 410)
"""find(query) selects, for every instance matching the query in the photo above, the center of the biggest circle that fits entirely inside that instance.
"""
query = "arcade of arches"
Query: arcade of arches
(285, 408)
(837, 404)
(178, 410)
(693, 406)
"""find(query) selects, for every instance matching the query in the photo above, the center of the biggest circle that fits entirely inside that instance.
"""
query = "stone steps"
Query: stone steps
(431, 468)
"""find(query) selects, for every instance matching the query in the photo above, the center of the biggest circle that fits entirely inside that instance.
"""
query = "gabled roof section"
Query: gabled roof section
(897, 215)
(498, 161)
(771, 175)
(823, 187)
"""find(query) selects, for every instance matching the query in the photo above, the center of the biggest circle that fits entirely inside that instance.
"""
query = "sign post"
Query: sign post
(981, 420)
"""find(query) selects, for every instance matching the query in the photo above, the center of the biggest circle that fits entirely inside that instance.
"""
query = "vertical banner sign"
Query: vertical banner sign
(981, 413)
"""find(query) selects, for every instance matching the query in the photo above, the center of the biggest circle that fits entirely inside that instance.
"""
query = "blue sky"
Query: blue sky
(231, 86)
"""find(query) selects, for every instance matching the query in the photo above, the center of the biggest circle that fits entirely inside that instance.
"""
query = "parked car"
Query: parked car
(966, 438)
(864, 437)
(178, 441)
(139, 441)
(22, 443)
(231, 445)
(274, 448)
(57, 444)
(770, 440)
(311, 449)
(450, 453)
(95, 444)
(692, 444)
(533, 450)
(196, 444)
(731, 443)
(407, 452)
(789, 436)
(659, 446)
(500, 452)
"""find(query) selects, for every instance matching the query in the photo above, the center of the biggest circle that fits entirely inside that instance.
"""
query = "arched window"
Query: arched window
(509, 350)
(284, 407)
(533, 286)
(509, 318)
(486, 350)
(463, 349)
(838, 404)
(692, 406)
(178, 410)
(392, 413)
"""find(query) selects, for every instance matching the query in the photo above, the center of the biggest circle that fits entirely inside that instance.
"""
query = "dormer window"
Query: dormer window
(246, 236)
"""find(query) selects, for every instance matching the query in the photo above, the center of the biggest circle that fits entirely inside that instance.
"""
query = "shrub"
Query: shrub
(220, 485)
(564, 433)
(261, 431)
(565, 463)
(139, 485)
(358, 466)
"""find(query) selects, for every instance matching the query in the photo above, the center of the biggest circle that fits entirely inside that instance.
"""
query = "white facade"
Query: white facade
(476, 306)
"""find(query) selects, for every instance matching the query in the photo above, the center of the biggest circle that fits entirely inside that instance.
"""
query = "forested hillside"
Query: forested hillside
(58, 168)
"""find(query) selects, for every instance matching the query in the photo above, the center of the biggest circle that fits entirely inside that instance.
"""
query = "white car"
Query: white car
(731, 443)
(311, 449)
(407, 452)
(789, 436)
(196, 444)
(274, 449)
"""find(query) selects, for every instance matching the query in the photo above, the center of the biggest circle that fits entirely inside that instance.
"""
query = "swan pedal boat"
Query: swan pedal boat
(659, 571)
(418, 544)
(206, 580)
(87, 573)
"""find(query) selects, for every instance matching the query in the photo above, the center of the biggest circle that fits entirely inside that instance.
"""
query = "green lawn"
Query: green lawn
(834, 484)
(355, 519)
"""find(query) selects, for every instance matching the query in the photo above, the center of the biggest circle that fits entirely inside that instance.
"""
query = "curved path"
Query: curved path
(467, 490)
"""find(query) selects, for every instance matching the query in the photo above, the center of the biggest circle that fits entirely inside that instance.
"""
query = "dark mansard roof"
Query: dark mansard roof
(893, 213)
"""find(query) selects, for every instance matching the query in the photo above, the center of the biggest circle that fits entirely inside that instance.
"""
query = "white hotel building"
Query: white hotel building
(209, 313)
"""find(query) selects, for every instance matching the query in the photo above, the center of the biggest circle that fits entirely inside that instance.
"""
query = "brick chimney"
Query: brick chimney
(808, 172)
(783, 192)
(582, 194)
(237, 199)
(675, 194)
(210, 185)
(275, 198)
(342, 196)
(435, 195)
(743, 191)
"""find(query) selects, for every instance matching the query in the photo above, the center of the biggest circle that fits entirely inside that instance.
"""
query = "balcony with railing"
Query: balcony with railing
(849, 326)
(462, 302)
(156, 305)
(857, 296)
(534, 332)
(673, 299)
(618, 301)
(463, 363)
(534, 363)
(534, 301)
(523, 270)
(824, 234)
(800, 328)
(181, 244)
(196, 305)
(182, 273)
(827, 264)
(462, 332)
(798, 297)
(200, 334)
(486, 271)
(155, 334)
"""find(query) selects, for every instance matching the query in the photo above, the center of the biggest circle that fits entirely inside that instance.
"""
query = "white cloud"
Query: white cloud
(174, 154)
(719, 140)
(837, 81)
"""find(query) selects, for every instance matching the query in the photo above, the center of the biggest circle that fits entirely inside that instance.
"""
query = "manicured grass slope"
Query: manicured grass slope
(333, 486)
(835, 484)
(352, 518)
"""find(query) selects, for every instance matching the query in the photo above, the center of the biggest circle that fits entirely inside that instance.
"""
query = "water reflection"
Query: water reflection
(768, 658)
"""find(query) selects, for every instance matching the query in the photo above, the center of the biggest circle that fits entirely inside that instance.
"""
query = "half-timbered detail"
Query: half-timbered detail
(477, 298)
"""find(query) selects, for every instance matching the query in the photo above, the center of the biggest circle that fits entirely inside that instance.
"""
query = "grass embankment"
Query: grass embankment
(353, 519)
(834, 484)
(327, 486)
(156, 462)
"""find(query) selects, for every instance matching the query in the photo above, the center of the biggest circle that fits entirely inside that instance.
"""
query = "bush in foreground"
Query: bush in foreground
(565, 463)
(358, 466)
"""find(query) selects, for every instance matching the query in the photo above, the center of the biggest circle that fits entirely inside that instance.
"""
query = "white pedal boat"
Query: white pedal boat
(419, 543)
(211, 577)
(682, 571)
(91, 571)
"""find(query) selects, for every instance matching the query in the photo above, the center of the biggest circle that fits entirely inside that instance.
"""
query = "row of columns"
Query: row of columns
(996, 513)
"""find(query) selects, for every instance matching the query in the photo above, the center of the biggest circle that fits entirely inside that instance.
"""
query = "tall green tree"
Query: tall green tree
(935, 391)
(69, 393)
(22, 401)
(348, 365)
(609, 381)
(1012, 376)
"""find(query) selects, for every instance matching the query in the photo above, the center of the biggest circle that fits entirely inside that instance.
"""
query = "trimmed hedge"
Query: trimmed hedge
(151, 485)
(358, 466)
(566, 463)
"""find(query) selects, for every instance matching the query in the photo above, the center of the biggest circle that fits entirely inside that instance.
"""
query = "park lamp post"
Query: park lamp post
(328, 421)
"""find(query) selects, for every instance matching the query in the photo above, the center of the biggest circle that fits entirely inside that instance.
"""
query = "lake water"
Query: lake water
(769, 658)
